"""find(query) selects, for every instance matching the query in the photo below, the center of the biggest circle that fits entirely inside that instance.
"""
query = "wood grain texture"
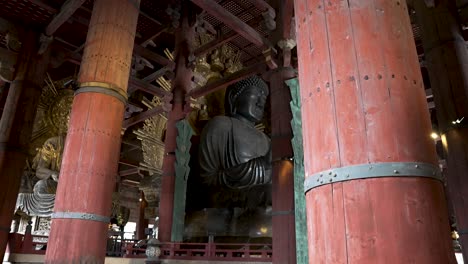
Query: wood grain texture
(109, 45)
(283, 218)
(92, 147)
(16, 127)
(363, 102)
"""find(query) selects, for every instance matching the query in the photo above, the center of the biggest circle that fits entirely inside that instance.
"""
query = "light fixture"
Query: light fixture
(434, 135)
(458, 121)
(140, 199)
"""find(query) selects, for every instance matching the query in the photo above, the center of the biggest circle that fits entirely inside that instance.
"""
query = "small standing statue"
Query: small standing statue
(46, 164)
(233, 153)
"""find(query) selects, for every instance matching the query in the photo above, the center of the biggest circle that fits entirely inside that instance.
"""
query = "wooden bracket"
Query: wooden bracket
(270, 59)
(287, 45)
(45, 42)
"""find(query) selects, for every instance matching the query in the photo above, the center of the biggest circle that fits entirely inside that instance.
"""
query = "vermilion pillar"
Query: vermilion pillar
(284, 239)
(16, 127)
(90, 159)
(182, 83)
(142, 222)
(370, 163)
(446, 59)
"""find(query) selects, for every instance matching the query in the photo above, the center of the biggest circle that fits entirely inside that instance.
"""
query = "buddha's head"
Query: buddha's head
(247, 99)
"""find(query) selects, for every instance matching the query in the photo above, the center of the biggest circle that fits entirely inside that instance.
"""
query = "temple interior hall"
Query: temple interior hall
(234, 131)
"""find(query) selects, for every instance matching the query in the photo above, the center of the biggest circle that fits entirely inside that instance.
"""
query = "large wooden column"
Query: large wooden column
(447, 63)
(142, 222)
(182, 83)
(16, 127)
(284, 239)
(90, 159)
(370, 165)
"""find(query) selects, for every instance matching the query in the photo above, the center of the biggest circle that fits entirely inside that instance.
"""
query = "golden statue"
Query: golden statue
(46, 166)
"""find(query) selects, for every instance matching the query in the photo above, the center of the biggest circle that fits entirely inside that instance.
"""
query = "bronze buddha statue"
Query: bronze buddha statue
(233, 153)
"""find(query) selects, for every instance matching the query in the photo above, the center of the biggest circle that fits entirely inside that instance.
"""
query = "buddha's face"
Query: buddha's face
(251, 103)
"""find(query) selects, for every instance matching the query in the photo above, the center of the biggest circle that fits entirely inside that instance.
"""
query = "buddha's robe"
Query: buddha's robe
(234, 154)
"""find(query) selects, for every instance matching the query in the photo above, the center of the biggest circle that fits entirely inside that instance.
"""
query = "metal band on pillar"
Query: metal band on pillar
(103, 88)
(278, 213)
(373, 170)
(81, 216)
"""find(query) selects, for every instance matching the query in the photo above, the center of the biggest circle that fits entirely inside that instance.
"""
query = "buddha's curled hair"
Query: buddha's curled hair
(234, 90)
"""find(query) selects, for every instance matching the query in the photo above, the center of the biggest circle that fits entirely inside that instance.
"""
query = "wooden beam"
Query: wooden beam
(142, 117)
(162, 30)
(147, 54)
(41, 4)
(137, 84)
(232, 21)
(155, 75)
(150, 18)
(128, 172)
(287, 11)
(130, 163)
(257, 68)
(263, 6)
(216, 43)
(67, 10)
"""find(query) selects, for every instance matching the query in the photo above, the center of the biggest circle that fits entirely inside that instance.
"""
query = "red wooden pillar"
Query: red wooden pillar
(447, 63)
(142, 222)
(182, 83)
(284, 239)
(90, 159)
(369, 161)
(16, 127)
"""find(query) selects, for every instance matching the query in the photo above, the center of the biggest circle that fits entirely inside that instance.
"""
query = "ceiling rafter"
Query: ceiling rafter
(142, 116)
(66, 11)
(263, 6)
(218, 42)
(128, 172)
(235, 23)
(148, 54)
(137, 84)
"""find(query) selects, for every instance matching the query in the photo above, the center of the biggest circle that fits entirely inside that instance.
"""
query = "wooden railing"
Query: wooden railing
(26, 244)
(208, 251)
(127, 248)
